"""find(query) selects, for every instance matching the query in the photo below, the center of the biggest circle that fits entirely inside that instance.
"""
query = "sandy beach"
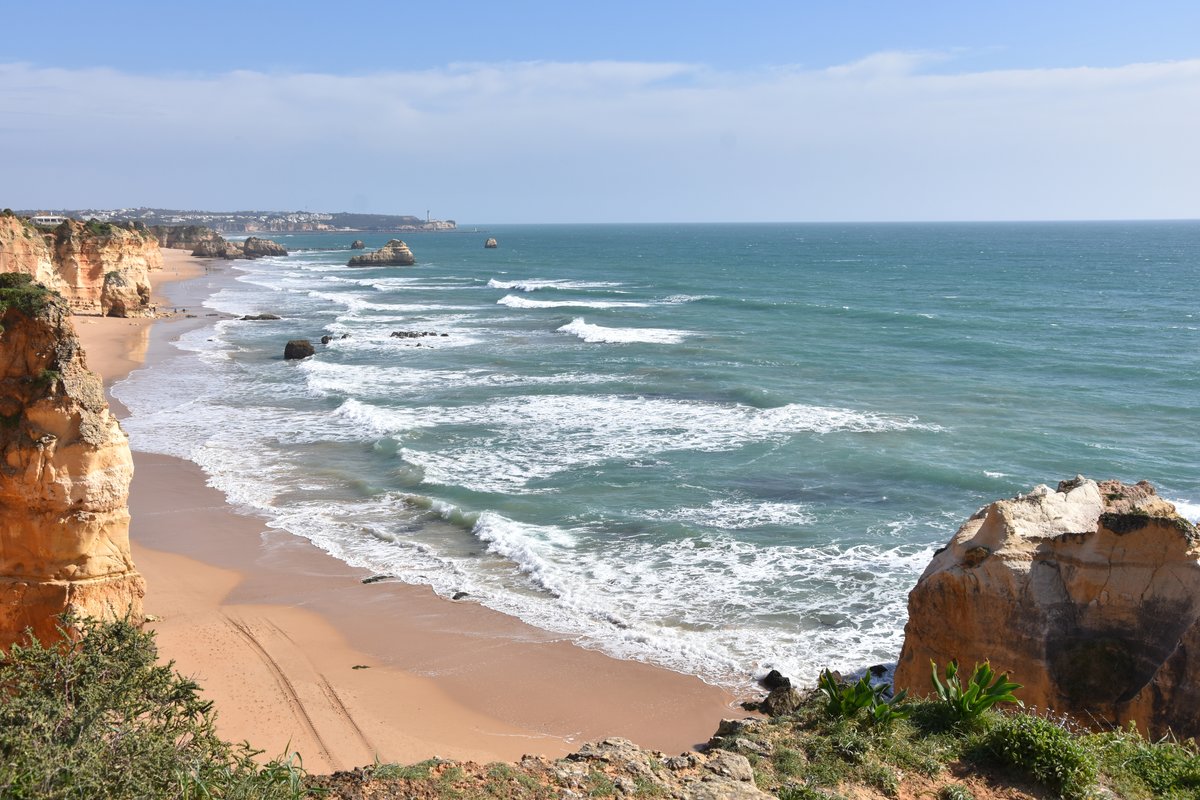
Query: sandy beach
(300, 655)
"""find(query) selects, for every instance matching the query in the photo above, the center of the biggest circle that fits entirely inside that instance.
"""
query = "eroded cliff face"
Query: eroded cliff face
(105, 267)
(1089, 595)
(23, 249)
(100, 268)
(65, 469)
(183, 237)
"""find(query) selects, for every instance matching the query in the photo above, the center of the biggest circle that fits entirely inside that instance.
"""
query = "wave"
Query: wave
(515, 301)
(534, 285)
(1188, 510)
(598, 334)
(734, 514)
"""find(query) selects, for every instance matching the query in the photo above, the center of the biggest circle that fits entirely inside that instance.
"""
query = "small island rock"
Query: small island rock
(254, 247)
(298, 348)
(393, 254)
(490, 243)
(358, 244)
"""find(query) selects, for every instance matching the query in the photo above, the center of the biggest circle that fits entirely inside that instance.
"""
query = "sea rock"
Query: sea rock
(774, 680)
(1088, 595)
(99, 268)
(298, 348)
(259, 317)
(65, 469)
(254, 247)
(781, 701)
(218, 248)
(358, 244)
(393, 254)
(490, 244)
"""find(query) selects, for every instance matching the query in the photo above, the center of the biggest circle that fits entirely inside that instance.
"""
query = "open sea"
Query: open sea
(717, 448)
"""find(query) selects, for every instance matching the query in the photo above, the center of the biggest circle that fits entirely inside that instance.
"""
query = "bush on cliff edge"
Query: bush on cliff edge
(98, 717)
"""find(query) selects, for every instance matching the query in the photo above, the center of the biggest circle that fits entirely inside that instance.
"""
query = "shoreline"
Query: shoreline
(346, 672)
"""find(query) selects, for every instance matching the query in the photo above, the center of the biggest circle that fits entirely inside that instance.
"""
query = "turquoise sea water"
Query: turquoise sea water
(720, 448)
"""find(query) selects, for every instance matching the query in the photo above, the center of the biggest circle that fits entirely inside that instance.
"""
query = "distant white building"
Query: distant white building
(47, 219)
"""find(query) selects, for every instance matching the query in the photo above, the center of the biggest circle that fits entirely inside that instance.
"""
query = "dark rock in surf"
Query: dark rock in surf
(298, 348)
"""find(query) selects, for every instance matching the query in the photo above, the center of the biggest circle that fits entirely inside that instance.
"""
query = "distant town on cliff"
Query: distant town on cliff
(253, 221)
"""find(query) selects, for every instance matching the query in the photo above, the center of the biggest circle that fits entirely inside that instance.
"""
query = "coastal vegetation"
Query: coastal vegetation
(96, 715)
(20, 291)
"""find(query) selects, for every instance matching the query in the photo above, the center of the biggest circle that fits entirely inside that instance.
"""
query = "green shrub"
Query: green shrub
(1046, 752)
(955, 791)
(96, 716)
(981, 693)
(846, 700)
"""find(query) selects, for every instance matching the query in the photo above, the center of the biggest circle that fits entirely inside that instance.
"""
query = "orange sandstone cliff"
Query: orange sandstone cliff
(100, 268)
(1089, 595)
(65, 469)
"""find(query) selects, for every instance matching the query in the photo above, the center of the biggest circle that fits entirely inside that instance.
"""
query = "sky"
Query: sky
(607, 112)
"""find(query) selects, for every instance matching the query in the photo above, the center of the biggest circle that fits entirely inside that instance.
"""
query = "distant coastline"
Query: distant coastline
(260, 221)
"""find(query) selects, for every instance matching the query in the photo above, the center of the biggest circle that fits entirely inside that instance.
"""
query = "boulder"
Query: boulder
(298, 348)
(254, 247)
(358, 244)
(1088, 595)
(393, 254)
(259, 317)
(490, 244)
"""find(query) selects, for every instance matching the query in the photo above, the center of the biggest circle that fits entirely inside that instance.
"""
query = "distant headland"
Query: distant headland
(254, 221)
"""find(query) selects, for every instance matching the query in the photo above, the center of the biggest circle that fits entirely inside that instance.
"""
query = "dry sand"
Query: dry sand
(299, 655)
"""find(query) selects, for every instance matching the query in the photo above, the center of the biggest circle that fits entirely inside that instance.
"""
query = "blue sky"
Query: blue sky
(565, 111)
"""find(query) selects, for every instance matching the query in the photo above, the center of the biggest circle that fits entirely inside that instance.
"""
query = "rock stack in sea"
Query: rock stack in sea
(252, 248)
(358, 244)
(490, 244)
(65, 469)
(393, 254)
(1088, 595)
(99, 268)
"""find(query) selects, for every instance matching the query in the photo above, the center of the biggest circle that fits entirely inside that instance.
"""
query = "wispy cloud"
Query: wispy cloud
(882, 138)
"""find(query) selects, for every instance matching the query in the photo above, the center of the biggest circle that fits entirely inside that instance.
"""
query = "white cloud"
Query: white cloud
(876, 139)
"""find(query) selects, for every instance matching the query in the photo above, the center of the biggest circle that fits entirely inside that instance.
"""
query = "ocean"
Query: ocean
(716, 448)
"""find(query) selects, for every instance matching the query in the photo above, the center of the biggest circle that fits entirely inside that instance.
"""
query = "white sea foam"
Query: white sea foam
(515, 301)
(515, 442)
(533, 285)
(1188, 510)
(598, 334)
(739, 514)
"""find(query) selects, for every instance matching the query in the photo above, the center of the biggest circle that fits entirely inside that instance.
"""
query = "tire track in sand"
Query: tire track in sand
(285, 686)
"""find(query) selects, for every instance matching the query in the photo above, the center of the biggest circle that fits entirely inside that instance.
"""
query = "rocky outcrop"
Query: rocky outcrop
(1089, 595)
(612, 767)
(65, 469)
(358, 244)
(183, 237)
(393, 254)
(100, 268)
(490, 244)
(254, 247)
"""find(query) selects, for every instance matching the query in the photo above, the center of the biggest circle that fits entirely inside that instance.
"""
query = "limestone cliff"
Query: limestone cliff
(1088, 595)
(23, 249)
(106, 267)
(65, 469)
(393, 254)
(183, 237)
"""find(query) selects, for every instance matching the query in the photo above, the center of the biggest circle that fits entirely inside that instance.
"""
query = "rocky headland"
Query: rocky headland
(64, 475)
(183, 237)
(393, 254)
(1088, 594)
(99, 268)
